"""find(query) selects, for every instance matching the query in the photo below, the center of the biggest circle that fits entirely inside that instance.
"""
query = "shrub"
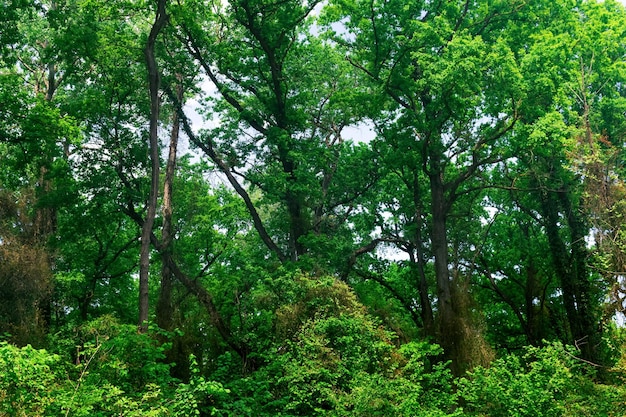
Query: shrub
(419, 385)
(549, 381)
(27, 380)
(117, 372)
(331, 358)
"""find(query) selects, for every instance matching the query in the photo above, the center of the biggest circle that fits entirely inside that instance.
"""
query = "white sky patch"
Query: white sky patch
(193, 108)
(359, 133)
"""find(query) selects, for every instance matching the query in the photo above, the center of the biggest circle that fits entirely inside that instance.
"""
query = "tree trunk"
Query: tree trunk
(572, 272)
(153, 82)
(297, 225)
(447, 323)
(164, 308)
(418, 262)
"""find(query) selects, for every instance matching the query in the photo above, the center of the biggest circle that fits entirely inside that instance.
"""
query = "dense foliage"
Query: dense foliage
(294, 208)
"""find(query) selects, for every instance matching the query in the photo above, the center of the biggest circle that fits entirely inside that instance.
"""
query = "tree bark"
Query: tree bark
(439, 240)
(153, 83)
(418, 261)
(572, 272)
(164, 308)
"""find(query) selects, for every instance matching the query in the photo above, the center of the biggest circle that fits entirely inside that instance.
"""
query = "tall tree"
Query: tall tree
(452, 89)
(599, 100)
(283, 104)
(155, 161)
(37, 134)
(164, 304)
(109, 167)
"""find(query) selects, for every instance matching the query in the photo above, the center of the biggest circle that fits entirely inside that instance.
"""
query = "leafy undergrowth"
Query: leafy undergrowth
(549, 381)
(113, 371)
(315, 378)
(329, 358)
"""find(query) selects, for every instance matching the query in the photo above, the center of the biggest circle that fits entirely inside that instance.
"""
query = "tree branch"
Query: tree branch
(208, 149)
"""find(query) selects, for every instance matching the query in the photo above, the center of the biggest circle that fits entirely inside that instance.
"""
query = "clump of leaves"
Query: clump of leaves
(200, 396)
(115, 371)
(331, 357)
(418, 384)
(543, 381)
(27, 380)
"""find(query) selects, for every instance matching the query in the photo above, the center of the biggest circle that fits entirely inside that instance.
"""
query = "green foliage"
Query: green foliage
(498, 150)
(115, 371)
(328, 356)
(546, 381)
(532, 385)
(117, 354)
(26, 378)
(198, 396)
(419, 384)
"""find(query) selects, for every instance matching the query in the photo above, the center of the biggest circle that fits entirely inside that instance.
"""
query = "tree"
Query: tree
(36, 133)
(557, 123)
(155, 162)
(443, 105)
(598, 98)
(281, 121)
(521, 299)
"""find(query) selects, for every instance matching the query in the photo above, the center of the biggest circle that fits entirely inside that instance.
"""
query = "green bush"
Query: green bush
(199, 396)
(27, 380)
(332, 358)
(114, 372)
(418, 384)
(543, 382)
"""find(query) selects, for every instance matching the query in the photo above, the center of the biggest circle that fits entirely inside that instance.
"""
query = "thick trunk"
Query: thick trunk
(293, 200)
(153, 82)
(427, 321)
(560, 260)
(297, 226)
(439, 241)
(586, 330)
(456, 332)
(532, 325)
(85, 300)
(426, 313)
